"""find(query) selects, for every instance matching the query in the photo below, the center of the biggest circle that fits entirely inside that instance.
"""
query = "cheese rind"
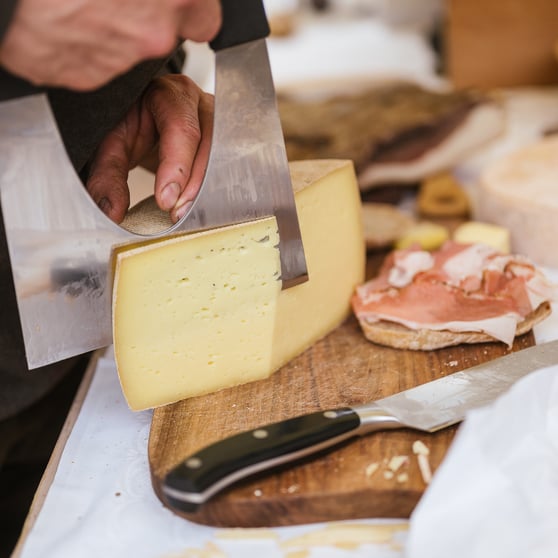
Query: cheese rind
(205, 311)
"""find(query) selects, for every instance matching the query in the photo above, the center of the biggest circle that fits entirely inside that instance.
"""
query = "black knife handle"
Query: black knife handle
(243, 21)
(236, 457)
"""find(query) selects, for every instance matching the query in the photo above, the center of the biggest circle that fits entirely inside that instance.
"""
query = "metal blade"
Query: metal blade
(58, 239)
(60, 243)
(435, 405)
(248, 175)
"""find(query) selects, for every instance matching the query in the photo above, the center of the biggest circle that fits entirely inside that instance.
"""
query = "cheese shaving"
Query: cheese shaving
(424, 467)
(402, 477)
(422, 452)
(249, 533)
(397, 461)
(371, 469)
(420, 448)
(341, 534)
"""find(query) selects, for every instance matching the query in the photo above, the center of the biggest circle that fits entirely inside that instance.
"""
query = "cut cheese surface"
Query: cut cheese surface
(196, 306)
(201, 312)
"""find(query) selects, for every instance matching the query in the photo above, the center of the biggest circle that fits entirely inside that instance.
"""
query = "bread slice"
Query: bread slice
(401, 337)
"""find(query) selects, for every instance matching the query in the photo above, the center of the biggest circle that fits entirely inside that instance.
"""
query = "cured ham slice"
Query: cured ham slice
(459, 288)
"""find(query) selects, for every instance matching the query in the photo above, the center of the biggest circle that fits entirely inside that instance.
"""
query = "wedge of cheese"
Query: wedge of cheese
(202, 312)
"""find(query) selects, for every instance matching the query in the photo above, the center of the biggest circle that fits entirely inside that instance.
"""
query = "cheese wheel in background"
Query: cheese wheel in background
(202, 312)
(520, 193)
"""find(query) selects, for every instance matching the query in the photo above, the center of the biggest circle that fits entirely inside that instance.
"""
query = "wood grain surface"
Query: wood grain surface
(342, 369)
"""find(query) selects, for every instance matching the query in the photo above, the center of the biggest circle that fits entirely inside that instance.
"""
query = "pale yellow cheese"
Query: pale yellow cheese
(473, 232)
(427, 235)
(202, 312)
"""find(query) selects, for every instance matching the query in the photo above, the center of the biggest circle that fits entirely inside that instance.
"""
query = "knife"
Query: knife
(428, 408)
(61, 244)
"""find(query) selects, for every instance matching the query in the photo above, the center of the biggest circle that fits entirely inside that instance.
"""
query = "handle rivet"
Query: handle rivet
(330, 414)
(260, 434)
(194, 463)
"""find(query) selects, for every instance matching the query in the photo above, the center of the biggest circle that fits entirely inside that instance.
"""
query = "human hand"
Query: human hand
(82, 44)
(174, 118)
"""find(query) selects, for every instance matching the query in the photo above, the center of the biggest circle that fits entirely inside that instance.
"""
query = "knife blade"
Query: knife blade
(248, 171)
(61, 244)
(428, 407)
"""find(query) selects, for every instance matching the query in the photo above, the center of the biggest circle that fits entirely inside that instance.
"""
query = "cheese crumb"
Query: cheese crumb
(388, 475)
(419, 448)
(402, 477)
(298, 554)
(210, 550)
(254, 533)
(343, 535)
(397, 461)
(422, 452)
(371, 469)
(424, 467)
(257, 492)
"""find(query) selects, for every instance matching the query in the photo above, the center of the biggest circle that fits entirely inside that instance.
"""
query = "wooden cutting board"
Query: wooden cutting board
(342, 369)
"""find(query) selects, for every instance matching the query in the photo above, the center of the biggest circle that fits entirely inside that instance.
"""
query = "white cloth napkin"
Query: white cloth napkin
(496, 493)
(101, 503)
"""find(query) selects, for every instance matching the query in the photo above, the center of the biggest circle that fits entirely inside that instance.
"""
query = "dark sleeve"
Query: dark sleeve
(7, 9)
(85, 118)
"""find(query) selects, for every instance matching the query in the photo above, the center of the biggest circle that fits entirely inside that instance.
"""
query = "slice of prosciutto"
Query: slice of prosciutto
(460, 287)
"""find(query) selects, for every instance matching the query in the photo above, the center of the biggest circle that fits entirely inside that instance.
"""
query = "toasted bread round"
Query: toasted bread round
(383, 224)
(398, 336)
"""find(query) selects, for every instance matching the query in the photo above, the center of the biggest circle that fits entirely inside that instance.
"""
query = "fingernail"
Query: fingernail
(182, 210)
(104, 205)
(169, 195)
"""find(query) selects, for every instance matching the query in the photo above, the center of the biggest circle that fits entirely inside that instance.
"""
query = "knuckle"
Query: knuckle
(174, 102)
(158, 42)
(174, 91)
(191, 128)
(186, 128)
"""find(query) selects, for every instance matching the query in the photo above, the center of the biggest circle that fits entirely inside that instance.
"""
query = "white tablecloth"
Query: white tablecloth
(101, 502)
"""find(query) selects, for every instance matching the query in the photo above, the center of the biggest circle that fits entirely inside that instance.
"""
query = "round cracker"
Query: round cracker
(383, 224)
(398, 336)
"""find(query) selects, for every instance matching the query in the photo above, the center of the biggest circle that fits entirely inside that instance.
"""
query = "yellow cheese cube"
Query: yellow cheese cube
(492, 235)
(205, 311)
(427, 235)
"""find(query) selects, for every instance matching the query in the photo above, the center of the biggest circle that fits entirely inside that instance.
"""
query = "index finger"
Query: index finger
(173, 102)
